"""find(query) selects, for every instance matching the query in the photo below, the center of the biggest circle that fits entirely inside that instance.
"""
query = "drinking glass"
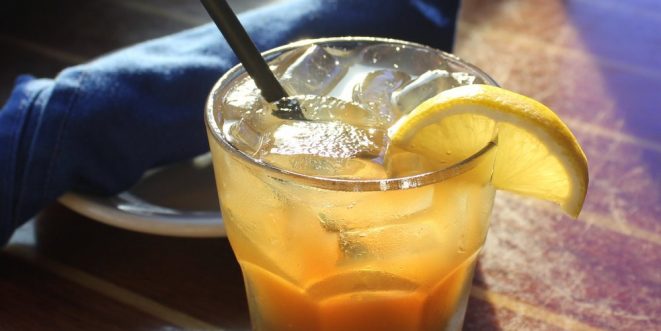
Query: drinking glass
(338, 253)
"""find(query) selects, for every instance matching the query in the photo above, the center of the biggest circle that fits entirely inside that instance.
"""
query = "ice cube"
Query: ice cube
(259, 228)
(246, 116)
(245, 137)
(279, 64)
(311, 251)
(427, 239)
(388, 241)
(464, 78)
(422, 88)
(327, 108)
(375, 90)
(332, 139)
(428, 85)
(361, 210)
(414, 61)
(313, 165)
(329, 224)
(252, 131)
(314, 72)
(401, 163)
(242, 98)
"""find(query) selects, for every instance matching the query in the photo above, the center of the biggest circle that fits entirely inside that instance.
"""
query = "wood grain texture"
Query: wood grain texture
(34, 299)
(596, 62)
(593, 62)
(198, 276)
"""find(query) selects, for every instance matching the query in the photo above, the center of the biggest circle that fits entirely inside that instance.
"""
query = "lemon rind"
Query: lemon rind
(504, 106)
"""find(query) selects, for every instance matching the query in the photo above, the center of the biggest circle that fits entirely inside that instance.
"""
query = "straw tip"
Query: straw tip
(288, 108)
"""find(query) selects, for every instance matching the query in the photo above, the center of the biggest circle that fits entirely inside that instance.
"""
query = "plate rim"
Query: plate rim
(204, 225)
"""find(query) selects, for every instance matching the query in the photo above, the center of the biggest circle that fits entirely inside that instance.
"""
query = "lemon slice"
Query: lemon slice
(537, 154)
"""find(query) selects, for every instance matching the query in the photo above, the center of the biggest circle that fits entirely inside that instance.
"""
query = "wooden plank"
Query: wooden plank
(625, 187)
(575, 85)
(110, 290)
(594, 61)
(545, 316)
(34, 299)
(199, 277)
(482, 316)
(539, 257)
(621, 31)
(589, 61)
(88, 28)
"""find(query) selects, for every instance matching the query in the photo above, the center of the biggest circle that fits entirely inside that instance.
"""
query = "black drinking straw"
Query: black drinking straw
(245, 49)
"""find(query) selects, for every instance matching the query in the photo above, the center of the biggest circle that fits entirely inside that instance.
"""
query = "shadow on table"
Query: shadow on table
(196, 276)
(480, 315)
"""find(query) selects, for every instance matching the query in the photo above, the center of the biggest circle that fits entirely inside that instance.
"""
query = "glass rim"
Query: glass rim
(346, 184)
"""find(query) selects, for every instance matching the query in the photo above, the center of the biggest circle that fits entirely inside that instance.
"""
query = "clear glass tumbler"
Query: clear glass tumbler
(335, 253)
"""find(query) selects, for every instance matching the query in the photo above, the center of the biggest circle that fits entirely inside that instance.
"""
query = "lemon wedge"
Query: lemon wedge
(537, 154)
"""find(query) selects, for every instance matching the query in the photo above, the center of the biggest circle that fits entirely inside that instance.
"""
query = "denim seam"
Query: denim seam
(29, 110)
(11, 165)
(60, 134)
(26, 106)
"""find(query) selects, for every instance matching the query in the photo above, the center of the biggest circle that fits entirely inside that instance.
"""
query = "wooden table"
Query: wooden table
(596, 62)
